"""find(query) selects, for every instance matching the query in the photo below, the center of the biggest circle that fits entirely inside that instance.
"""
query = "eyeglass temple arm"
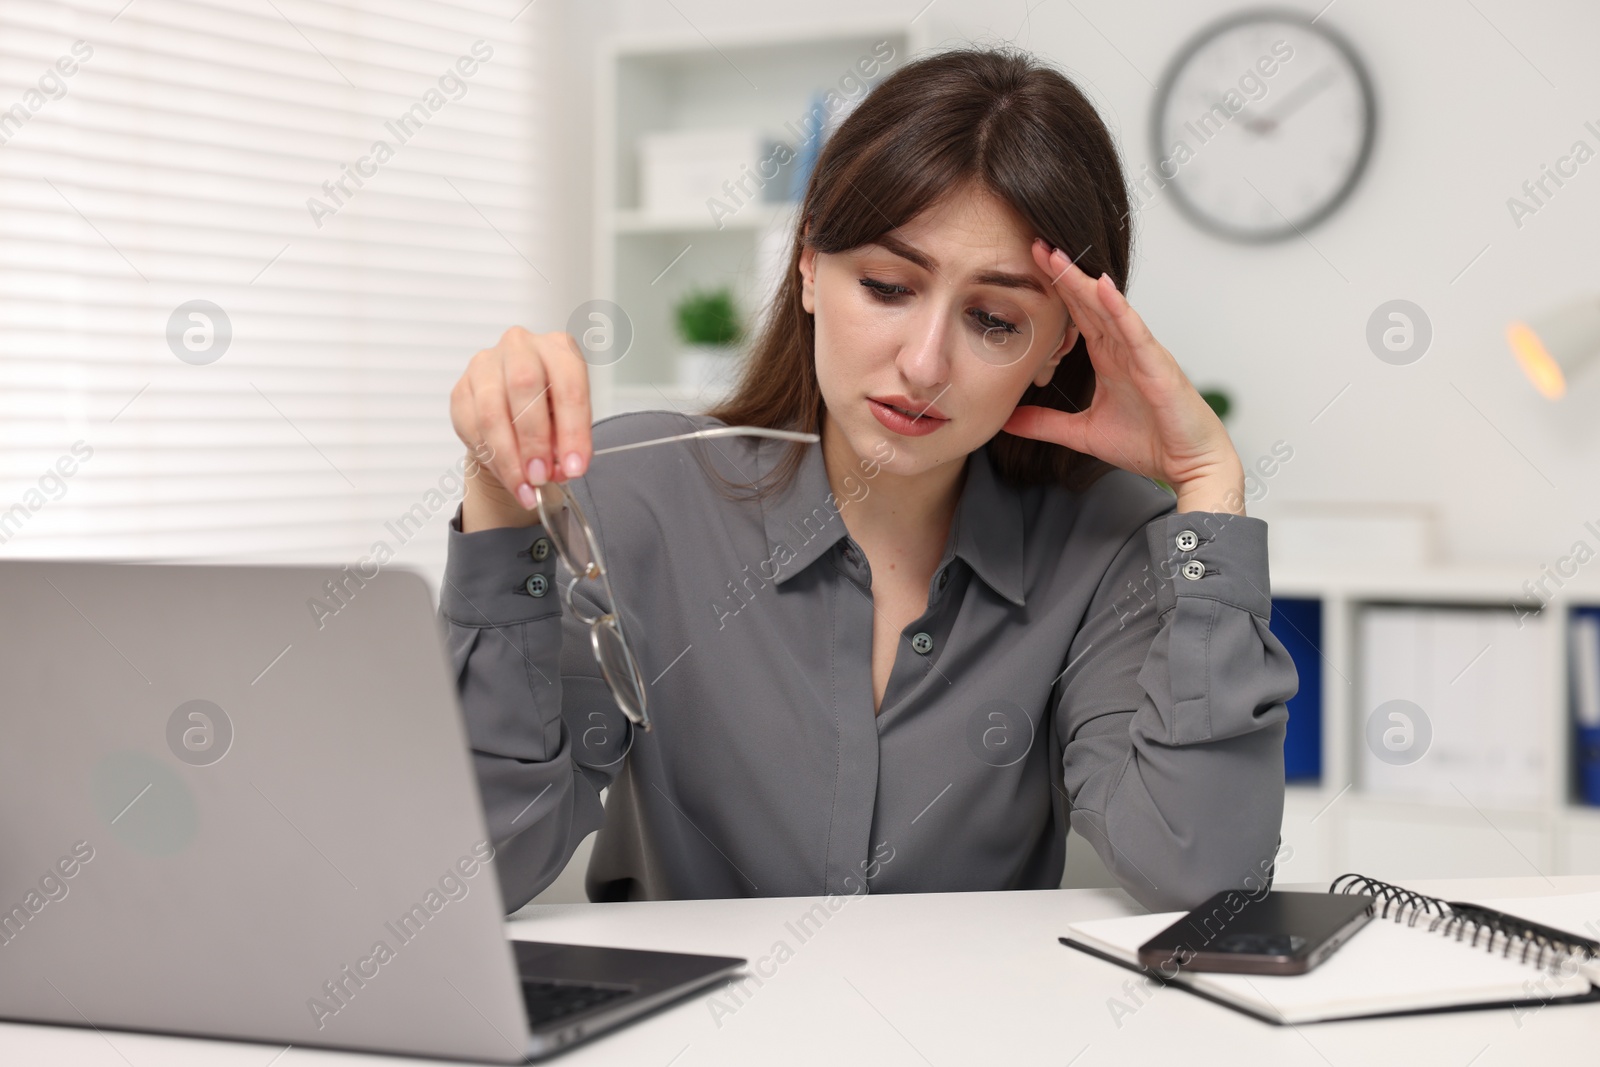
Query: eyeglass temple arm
(719, 431)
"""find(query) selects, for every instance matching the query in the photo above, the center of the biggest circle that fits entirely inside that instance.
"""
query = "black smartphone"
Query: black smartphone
(1274, 933)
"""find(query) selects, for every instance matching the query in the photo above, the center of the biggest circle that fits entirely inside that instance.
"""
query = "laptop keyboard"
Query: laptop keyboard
(549, 1001)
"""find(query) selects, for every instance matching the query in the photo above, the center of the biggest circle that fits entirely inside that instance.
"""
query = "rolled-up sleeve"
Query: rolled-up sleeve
(506, 646)
(1172, 712)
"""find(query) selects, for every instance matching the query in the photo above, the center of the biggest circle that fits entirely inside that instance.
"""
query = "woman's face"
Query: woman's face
(948, 316)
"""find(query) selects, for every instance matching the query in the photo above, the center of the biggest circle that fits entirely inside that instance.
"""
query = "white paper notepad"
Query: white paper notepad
(1385, 967)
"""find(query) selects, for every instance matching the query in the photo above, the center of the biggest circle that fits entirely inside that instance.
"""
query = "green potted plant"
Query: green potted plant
(710, 332)
(1219, 401)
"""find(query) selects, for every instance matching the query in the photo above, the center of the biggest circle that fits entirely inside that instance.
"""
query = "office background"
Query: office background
(202, 152)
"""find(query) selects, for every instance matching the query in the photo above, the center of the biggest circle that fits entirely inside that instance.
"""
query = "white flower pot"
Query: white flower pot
(704, 368)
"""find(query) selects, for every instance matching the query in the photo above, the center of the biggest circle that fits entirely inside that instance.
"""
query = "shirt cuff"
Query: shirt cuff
(1212, 554)
(499, 576)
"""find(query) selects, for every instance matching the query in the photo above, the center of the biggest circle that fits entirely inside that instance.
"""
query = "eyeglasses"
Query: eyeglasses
(573, 539)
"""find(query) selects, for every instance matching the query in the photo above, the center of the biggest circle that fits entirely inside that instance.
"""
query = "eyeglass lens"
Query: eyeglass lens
(619, 669)
(565, 531)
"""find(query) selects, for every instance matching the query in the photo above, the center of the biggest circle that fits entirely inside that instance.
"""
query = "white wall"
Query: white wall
(1465, 116)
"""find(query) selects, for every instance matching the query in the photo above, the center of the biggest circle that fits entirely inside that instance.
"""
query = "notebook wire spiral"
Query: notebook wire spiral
(1549, 947)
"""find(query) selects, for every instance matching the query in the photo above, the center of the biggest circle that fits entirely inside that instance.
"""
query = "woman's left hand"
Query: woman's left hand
(1145, 415)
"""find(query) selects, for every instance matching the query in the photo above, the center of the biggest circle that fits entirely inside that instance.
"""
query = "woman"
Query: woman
(907, 651)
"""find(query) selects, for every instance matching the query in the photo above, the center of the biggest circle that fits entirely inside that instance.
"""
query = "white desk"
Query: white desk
(936, 979)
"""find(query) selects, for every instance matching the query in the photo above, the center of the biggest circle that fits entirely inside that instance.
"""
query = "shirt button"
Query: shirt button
(1187, 540)
(537, 585)
(541, 548)
(1194, 569)
(850, 554)
(944, 579)
(922, 643)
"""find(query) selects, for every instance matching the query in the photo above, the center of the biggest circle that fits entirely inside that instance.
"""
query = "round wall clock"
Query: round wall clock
(1263, 124)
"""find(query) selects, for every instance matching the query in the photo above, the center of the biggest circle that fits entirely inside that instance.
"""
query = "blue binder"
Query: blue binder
(1586, 739)
(1297, 622)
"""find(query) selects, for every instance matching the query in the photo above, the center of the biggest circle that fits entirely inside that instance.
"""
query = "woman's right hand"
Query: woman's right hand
(527, 399)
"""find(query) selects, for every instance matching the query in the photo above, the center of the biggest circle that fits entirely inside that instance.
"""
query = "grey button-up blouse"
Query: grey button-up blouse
(1093, 653)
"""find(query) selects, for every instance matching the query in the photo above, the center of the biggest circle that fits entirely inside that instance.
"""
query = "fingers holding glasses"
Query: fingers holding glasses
(547, 386)
(541, 400)
(528, 399)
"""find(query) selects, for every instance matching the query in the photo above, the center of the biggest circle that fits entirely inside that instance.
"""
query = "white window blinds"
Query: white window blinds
(246, 247)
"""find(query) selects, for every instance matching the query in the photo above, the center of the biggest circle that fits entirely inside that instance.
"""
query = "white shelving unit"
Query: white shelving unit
(1337, 826)
(760, 81)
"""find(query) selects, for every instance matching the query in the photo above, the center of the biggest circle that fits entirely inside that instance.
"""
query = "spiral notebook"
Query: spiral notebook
(1432, 955)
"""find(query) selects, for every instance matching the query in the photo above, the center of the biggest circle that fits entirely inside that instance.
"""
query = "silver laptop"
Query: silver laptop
(236, 801)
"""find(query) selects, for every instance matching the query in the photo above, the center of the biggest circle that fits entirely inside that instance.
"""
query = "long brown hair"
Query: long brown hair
(995, 119)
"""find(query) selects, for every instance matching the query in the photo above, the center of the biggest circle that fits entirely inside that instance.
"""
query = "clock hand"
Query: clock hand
(1298, 98)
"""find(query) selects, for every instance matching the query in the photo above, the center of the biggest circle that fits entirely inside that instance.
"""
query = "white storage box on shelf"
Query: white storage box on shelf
(680, 170)
(1355, 533)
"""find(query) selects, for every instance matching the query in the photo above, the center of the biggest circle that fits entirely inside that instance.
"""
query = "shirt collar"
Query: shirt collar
(804, 521)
